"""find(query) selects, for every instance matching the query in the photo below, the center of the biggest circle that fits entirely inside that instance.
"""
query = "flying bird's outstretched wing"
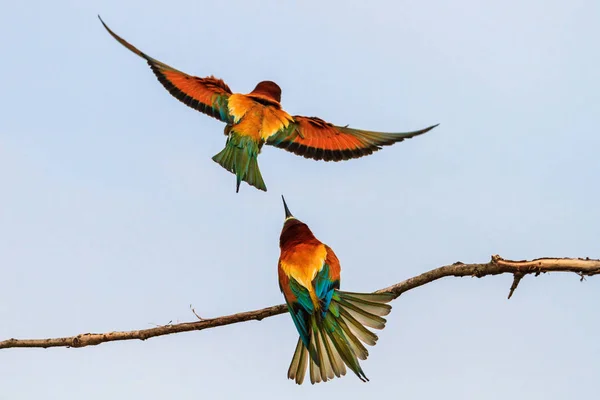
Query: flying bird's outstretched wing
(208, 95)
(314, 138)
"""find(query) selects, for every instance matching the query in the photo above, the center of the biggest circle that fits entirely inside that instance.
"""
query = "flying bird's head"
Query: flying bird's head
(294, 231)
(268, 90)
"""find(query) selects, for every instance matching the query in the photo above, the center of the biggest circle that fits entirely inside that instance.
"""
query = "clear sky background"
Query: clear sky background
(114, 217)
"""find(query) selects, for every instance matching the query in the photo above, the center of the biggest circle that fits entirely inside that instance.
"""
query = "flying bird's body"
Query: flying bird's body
(257, 118)
(331, 323)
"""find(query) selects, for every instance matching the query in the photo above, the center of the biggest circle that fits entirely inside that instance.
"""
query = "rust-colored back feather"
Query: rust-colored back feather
(334, 264)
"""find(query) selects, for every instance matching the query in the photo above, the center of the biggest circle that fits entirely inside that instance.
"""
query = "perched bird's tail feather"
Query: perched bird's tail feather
(337, 336)
(240, 157)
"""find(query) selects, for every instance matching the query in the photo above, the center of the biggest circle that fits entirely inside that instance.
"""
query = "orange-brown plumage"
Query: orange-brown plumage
(334, 264)
(302, 250)
(197, 93)
(311, 137)
(302, 256)
(256, 118)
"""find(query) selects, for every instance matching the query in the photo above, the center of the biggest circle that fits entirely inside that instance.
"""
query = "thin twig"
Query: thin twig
(197, 316)
(517, 276)
(497, 265)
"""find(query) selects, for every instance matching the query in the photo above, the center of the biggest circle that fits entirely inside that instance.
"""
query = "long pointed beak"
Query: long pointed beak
(288, 214)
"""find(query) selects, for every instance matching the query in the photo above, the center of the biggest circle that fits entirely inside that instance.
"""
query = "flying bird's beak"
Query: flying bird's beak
(288, 214)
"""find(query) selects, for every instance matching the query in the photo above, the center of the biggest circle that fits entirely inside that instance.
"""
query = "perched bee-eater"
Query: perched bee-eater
(257, 118)
(331, 323)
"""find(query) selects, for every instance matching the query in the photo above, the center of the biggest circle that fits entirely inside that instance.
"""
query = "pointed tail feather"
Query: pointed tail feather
(297, 368)
(321, 366)
(240, 157)
(337, 337)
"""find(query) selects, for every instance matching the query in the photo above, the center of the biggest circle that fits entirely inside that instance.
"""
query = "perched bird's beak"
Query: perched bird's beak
(288, 214)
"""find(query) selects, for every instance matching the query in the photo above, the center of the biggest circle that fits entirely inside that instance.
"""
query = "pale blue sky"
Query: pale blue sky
(114, 217)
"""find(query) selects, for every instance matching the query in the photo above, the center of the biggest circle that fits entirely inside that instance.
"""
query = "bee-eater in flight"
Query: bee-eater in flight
(257, 118)
(331, 323)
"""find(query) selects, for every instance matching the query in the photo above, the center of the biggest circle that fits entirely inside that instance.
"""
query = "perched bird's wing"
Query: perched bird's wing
(301, 293)
(208, 95)
(314, 138)
(327, 279)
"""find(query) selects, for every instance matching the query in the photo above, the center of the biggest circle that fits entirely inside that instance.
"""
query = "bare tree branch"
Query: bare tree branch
(497, 265)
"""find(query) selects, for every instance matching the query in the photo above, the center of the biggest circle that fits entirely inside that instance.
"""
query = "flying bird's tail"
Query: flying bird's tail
(337, 337)
(240, 157)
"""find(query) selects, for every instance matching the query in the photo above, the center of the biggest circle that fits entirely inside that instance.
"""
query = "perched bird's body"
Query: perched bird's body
(257, 118)
(331, 323)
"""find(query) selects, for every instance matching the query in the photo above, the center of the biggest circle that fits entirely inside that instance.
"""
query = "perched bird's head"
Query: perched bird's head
(294, 231)
(268, 90)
